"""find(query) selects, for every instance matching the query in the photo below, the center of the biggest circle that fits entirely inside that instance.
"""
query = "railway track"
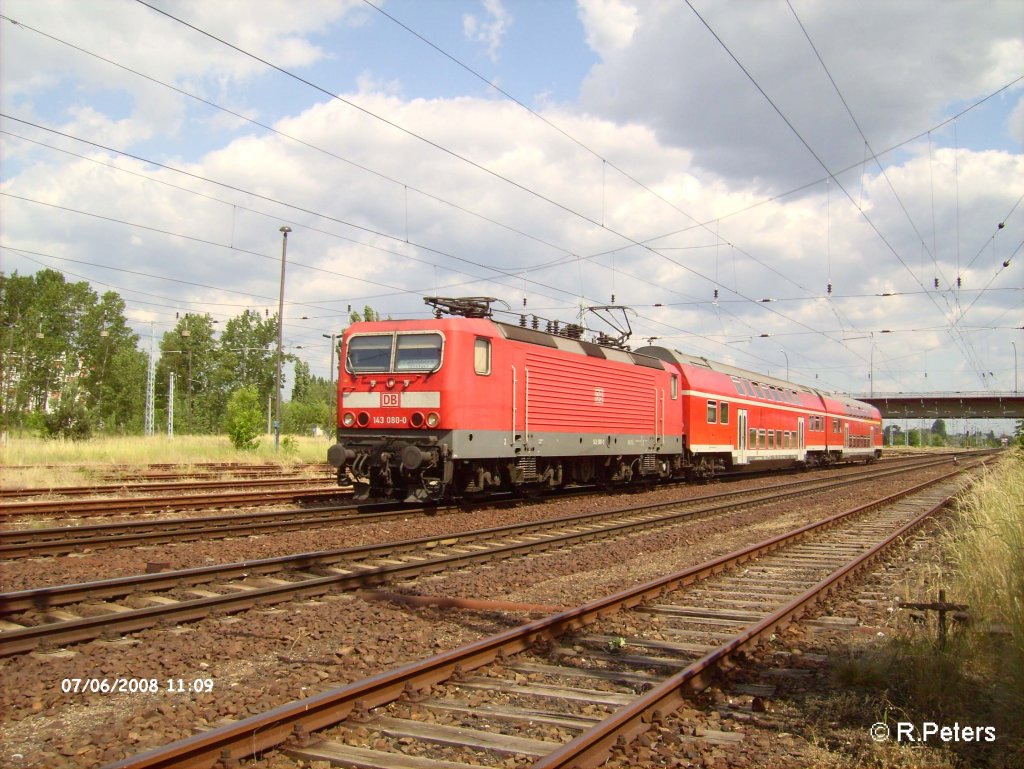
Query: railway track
(565, 690)
(21, 543)
(108, 506)
(191, 594)
(146, 488)
(68, 539)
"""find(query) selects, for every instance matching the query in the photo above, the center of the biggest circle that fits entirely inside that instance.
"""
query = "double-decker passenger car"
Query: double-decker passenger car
(449, 407)
(736, 417)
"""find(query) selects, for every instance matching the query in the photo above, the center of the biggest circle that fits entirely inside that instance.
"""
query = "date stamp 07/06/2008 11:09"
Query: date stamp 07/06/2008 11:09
(136, 685)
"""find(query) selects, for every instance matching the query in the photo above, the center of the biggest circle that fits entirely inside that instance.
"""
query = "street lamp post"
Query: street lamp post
(1014, 344)
(280, 336)
(787, 364)
(334, 395)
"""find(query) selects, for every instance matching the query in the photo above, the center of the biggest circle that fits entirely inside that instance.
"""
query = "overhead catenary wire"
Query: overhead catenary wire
(965, 346)
(624, 271)
(269, 128)
(425, 140)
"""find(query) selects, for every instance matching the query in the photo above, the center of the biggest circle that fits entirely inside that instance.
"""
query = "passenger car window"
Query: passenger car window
(723, 413)
(712, 412)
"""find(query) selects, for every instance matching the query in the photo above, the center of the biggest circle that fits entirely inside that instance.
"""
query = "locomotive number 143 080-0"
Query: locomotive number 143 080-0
(389, 420)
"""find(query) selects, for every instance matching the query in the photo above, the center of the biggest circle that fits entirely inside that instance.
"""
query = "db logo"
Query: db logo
(389, 400)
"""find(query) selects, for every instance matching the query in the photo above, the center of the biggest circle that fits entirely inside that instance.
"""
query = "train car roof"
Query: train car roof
(513, 333)
(578, 346)
(852, 407)
(675, 356)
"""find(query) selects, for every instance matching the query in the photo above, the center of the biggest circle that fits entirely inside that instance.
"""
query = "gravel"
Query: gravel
(264, 658)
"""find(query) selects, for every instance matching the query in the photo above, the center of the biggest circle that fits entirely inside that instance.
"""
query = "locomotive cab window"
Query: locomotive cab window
(368, 354)
(482, 356)
(418, 352)
(675, 387)
(712, 412)
(376, 353)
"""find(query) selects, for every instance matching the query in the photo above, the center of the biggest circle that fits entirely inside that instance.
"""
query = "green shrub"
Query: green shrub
(244, 421)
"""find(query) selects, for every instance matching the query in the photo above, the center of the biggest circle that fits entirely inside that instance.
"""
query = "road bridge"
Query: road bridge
(950, 405)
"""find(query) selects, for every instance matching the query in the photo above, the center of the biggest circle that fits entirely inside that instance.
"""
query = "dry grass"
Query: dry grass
(72, 460)
(977, 676)
(986, 546)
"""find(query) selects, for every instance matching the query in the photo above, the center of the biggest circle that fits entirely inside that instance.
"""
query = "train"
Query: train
(447, 408)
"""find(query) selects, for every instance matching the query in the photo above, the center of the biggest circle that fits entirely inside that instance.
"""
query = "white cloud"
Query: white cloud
(433, 223)
(1015, 123)
(35, 64)
(490, 32)
(900, 67)
(609, 24)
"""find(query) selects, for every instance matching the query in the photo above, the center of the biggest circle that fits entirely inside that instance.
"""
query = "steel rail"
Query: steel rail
(643, 516)
(137, 488)
(128, 505)
(70, 539)
(295, 720)
(66, 539)
(594, 746)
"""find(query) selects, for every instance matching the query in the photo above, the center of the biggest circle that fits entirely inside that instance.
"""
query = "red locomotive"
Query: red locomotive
(451, 407)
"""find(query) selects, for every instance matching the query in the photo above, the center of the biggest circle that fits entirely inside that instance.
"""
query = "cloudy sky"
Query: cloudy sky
(654, 151)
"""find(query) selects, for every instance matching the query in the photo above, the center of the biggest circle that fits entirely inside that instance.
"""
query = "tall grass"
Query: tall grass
(986, 547)
(975, 677)
(184, 450)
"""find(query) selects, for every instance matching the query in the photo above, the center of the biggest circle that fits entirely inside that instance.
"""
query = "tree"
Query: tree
(123, 386)
(247, 351)
(311, 401)
(190, 351)
(114, 370)
(59, 342)
(244, 420)
(369, 314)
(69, 419)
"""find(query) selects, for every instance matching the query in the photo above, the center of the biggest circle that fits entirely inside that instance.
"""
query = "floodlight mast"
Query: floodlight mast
(280, 337)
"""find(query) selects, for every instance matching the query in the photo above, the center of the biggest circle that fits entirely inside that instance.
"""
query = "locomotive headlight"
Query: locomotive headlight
(433, 419)
(416, 419)
(348, 419)
(363, 419)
